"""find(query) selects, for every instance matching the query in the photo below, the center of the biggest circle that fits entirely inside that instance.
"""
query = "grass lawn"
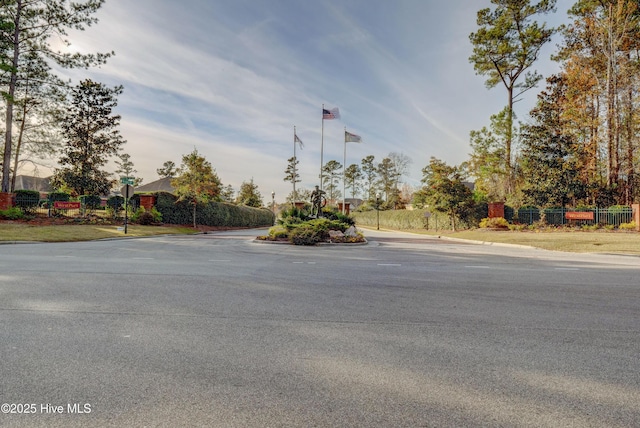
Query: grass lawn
(614, 242)
(17, 231)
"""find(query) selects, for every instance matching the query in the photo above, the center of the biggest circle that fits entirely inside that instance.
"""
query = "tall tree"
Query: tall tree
(28, 27)
(168, 170)
(249, 194)
(445, 191)
(126, 168)
(386, 172)
(370, 176)
(603, 39)
(291, 173)
(197, 181)
(227, 194)
(331, 177)
(352, 176)
(551, 159)
(38, 101)
(487, 163)
(505, 47)
(91, 137)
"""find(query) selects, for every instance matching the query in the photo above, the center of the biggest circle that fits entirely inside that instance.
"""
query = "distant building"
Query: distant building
(162, 185)
(26, 182)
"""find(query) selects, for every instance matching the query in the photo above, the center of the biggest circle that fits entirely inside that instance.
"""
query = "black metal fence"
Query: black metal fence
(613, 216)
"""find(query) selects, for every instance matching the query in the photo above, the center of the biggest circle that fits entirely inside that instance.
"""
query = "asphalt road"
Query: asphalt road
(217, 330)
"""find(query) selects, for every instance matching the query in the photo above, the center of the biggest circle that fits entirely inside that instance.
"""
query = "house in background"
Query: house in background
(162, 185)
(26, 182)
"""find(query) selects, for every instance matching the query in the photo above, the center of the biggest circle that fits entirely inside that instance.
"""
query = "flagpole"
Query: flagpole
(321, 147)
(344, 170)
(294, 165)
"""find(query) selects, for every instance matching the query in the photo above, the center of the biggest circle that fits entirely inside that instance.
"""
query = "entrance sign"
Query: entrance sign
(64, 205)
(578, 215)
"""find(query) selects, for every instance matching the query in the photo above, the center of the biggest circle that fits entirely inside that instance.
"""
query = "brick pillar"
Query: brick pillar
(147, 201)
(496, 210)
(636, 215)
(6, 201)
(346, 207)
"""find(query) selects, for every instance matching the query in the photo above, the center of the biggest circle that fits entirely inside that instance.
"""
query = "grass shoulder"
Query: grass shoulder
(577, 241)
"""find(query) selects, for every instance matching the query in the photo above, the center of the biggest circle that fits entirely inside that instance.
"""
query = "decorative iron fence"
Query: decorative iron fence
(614, 216)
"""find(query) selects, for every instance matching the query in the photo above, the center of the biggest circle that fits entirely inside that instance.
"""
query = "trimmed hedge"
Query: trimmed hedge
(27, 200)
(413, 219)
(211, 214)
(91, 202)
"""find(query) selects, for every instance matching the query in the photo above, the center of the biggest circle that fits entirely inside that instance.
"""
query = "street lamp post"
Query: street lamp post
(377, 211)
(273, 205)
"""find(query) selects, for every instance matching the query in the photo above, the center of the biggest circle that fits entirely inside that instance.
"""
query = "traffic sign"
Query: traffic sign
(127, 191)
(126, 180)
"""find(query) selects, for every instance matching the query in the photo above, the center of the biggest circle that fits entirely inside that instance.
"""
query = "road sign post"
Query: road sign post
(127, 192)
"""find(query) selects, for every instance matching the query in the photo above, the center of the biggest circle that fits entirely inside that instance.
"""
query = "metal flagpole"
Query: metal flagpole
(321, 147)
(294, 166)
(344, 170)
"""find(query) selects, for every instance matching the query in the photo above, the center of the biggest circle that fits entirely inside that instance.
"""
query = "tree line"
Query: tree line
(369, 180)
(46, 117)
(578, 146)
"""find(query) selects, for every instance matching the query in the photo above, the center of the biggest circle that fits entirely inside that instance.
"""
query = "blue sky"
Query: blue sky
(232, 78)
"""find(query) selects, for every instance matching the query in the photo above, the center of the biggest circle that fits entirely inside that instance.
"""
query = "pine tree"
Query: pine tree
(91, 136)
(505, 47)
(27, 27)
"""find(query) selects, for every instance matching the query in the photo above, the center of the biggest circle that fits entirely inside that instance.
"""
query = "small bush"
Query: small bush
(628, 226)
(494, 223)
(13, 213)
(278, 232)
(338, 216)
(27, 200)
(306, 234)
(90, 202)
(145, 218)
(589, 227)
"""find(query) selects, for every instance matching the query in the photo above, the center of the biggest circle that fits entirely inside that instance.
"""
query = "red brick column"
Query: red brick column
(6, 201)
(636, 215)
(496, 210)
(346, 207)
(147, 201)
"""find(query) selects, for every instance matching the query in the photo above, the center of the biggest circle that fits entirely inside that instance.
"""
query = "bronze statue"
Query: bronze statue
(318, 201)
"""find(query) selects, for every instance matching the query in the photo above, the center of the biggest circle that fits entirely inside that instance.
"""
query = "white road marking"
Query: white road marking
(478, 267)
(389, 264)
(572, 269)
(219, 260)
(143, 258)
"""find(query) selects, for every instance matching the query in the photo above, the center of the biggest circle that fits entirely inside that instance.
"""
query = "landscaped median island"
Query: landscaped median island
(296, 227)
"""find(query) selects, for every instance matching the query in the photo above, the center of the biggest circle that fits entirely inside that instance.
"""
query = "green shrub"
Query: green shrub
(494, 223)
(115, 203)
(338, 216)
(13, 213)
(278, 232)
(91, 202)
(306, 234)
(144, 217)
(27, 200)
(59, 196)
(211, 214)
(628, 226)
(589, 227)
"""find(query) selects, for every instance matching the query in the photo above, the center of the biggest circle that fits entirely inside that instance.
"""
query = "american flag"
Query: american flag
(331, 114)
(297, 139)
